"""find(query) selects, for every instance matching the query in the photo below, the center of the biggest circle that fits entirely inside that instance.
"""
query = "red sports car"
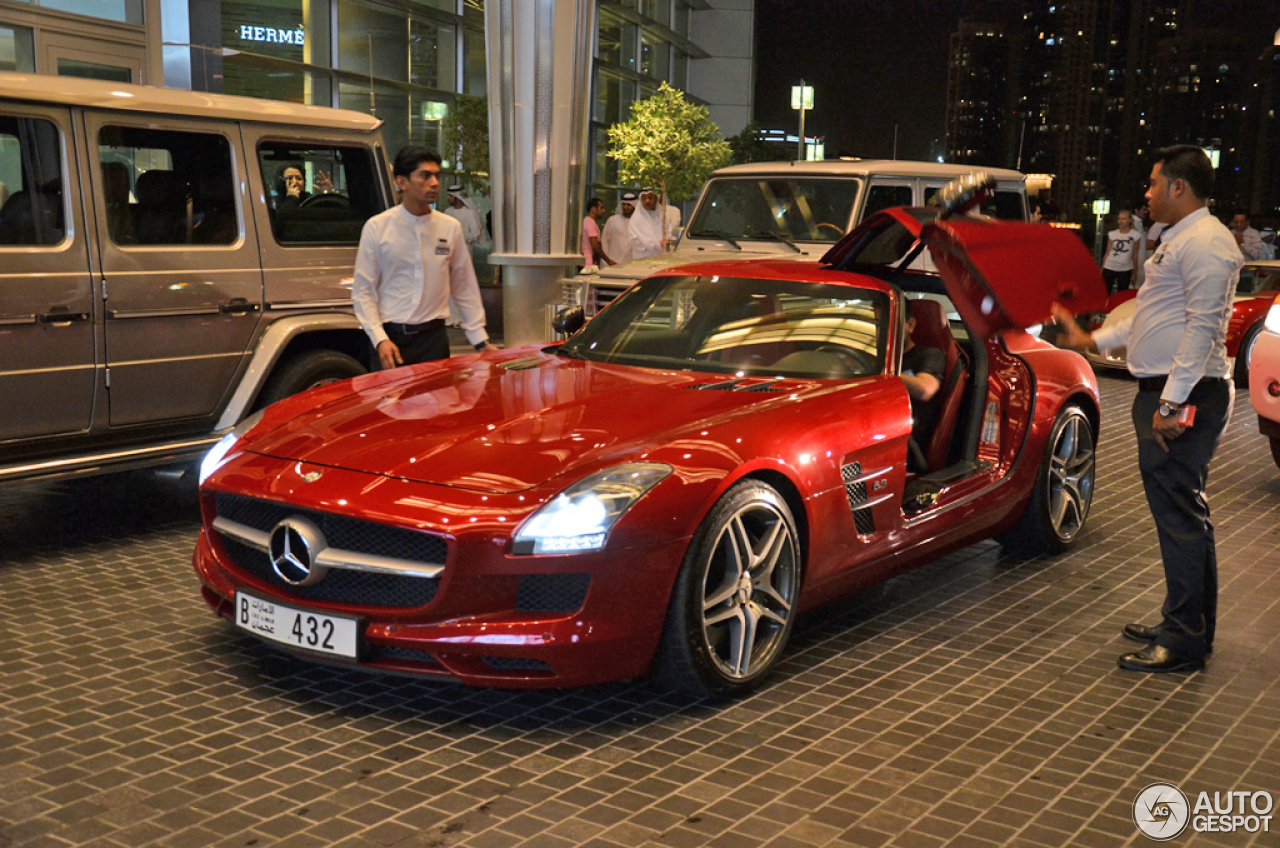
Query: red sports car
(723, 447)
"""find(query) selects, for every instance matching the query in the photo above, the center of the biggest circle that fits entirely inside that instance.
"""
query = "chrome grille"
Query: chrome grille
(340, 585)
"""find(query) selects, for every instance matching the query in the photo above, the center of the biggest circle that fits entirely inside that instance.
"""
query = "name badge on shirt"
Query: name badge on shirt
(1159, 255)
(442, 247)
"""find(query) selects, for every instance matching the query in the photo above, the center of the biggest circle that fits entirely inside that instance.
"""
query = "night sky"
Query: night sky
(873, 64)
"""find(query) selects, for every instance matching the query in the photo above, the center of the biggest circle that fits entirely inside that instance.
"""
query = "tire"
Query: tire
(1275, 450)
(1059, 504)
(306, 371)
(715, 613)
(1244, 353)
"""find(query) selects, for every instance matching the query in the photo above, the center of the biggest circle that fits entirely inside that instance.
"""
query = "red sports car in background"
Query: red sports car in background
(721, 448)
(1259, 285)
(1264, 378)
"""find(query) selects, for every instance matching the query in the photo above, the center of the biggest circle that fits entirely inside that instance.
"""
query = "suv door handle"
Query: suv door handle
(238, 306)
(61, 316)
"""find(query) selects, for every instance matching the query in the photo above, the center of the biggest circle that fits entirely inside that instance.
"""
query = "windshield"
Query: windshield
(739, 325)
(1257, 279)
(762, 208)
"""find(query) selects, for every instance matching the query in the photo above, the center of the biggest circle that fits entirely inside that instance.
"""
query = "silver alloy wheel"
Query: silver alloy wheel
(1070, 478)
(749, 591)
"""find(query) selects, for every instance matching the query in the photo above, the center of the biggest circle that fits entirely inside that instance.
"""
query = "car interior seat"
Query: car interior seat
(934, 330)
(164, 214)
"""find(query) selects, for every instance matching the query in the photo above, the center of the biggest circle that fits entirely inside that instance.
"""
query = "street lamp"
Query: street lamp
(802, 99)
(1100, 208)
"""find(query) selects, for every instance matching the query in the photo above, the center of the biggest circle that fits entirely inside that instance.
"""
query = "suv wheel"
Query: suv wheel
(308, 370)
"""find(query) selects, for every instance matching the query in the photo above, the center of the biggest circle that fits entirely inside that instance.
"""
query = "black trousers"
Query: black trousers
(428, 344)
(1117, 280)
(1175, 486)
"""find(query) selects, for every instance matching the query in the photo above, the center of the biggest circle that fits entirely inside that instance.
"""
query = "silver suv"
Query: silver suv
(795, 210)
(169, 262)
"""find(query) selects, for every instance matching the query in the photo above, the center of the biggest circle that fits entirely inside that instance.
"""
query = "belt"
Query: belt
(413, 329)
(1156, 384)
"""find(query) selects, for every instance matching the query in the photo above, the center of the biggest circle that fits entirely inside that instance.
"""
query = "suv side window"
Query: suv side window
(319, 194)
(31, 206)
(167, 187)
(881, 196)
(1004, 205)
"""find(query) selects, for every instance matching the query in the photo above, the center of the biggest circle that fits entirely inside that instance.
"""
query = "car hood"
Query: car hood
(512, 420)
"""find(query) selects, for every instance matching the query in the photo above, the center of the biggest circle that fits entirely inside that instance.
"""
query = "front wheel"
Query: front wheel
(1244, 353)
(308, 370)
(734, 602)
(1059, 505)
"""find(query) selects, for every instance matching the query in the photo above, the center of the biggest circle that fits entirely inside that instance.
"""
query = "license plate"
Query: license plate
(301, 629)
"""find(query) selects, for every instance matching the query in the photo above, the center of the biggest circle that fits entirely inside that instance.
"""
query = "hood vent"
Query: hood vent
(740, 386)
(521, 364)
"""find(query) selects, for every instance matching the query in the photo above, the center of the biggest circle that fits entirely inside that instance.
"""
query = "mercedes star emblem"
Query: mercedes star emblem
(295, 545)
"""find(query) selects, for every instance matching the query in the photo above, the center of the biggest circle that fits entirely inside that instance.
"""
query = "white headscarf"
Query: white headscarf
(473, 230)
(646, 231)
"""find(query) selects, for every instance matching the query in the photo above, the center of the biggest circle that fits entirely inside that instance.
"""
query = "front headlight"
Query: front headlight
(1273, 317)
(214, 458)
(580, 517)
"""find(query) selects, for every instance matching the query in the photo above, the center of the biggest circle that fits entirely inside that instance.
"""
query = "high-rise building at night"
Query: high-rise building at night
(981, 87)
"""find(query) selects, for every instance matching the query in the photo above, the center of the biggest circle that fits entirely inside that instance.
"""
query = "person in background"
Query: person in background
(1120, 259)
(648, 237)
(593, 254)
(1247, 238)
(463, 210)
(1176, 341)
(616, 239)
(410, 265)
(291, 185)
(1268, 251)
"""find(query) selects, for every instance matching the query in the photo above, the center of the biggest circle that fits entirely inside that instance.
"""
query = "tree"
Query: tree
(466, 140)
(747, 147)
(668, 144)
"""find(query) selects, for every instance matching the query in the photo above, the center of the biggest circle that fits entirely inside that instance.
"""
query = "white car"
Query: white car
(795, 210)
(1264, 378)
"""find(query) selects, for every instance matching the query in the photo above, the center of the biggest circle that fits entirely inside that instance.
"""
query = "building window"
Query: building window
(17, 50)
(125, 11)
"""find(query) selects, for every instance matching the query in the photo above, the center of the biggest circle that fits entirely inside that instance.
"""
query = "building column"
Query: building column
(539, 55)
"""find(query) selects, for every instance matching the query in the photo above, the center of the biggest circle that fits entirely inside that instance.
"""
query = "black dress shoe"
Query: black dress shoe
(1158, 658)
(1141, 632)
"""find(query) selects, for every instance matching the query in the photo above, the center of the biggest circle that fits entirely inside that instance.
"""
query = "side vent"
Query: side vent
(855, 488)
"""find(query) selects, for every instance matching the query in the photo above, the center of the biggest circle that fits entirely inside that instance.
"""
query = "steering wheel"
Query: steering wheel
(326, 200)
(858, 362)
(827, 225)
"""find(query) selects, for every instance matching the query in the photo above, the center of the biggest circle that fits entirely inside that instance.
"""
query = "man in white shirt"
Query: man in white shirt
(410, 265)
(1176, 349)
(1247, 238)
(616, 238)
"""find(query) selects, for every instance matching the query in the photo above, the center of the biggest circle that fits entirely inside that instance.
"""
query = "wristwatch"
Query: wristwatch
(480, 345)
(1169, 410)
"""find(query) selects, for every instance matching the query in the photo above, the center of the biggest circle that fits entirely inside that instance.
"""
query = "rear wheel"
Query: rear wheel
(1244, 353)
(734, 602)
(308, 370)
(1059, 505)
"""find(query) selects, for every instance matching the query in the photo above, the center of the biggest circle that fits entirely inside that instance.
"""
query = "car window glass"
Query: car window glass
(811, 210)
(1004, 205)
(885, 196)
(740, 325)
(1256, 279)
(31, 204)
(319, 194)
(167, 187)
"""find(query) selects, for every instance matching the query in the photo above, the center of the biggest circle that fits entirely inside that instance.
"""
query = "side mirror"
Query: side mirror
(569, 320)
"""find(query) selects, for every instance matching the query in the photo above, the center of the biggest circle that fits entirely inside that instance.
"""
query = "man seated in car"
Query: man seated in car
(922, 370)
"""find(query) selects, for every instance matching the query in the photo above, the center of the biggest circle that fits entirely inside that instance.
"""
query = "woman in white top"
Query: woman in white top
(1121, 254)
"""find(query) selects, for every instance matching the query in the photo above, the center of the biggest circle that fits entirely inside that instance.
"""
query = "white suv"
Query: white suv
(794, 210)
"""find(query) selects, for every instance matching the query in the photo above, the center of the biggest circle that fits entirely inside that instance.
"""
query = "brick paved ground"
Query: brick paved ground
(974, 702)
